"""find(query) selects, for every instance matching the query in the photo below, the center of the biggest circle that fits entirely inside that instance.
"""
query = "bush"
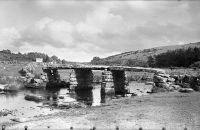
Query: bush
(195, 65)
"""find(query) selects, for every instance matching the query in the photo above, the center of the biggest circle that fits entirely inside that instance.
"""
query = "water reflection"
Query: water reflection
(85, 96)
(9, 94)
(96, 97)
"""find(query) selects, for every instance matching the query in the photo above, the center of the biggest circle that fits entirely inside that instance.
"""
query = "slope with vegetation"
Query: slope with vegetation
(177, 58)
(141, 57)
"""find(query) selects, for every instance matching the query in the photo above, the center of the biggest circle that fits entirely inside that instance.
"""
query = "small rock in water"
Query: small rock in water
(2, 92)
(19, 119)
(2, 87)
(128, 95)
(149, 83)
(61, 97)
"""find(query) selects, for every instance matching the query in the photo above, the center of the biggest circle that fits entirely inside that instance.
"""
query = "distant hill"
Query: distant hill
(140, 57)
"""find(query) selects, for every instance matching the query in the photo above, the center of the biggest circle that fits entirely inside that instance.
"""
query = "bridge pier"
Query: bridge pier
(82, 79)
(53, 77)
(119, 79)
(72, 80)
(107, 85)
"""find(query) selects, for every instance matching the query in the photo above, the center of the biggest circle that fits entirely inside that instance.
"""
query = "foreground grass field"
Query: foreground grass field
(174, 110)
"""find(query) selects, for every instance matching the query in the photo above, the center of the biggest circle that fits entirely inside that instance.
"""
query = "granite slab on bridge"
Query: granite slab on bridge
(103, 67)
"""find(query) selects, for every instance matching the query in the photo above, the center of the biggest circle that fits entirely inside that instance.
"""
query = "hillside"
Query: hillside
(141, 56)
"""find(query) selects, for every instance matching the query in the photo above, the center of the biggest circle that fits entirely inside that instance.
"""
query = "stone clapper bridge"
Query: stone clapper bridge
(113, 77)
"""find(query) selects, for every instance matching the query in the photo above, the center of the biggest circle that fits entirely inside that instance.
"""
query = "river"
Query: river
(22, 108)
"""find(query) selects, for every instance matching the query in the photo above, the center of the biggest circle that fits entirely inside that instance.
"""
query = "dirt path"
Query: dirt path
(170, 110)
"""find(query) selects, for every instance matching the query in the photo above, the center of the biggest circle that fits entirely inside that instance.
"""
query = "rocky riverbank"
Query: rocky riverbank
(183, 83)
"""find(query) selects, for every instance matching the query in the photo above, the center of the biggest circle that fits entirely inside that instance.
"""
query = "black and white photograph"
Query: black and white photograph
(99, 65)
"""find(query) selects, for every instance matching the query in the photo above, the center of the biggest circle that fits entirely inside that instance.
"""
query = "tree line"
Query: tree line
(7, 55)
(176, 58)
(121, 62)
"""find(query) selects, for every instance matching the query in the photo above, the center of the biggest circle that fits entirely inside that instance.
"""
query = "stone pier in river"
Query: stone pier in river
(113, 77)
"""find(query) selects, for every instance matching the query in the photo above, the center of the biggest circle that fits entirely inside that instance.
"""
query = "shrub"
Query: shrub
(195, 65)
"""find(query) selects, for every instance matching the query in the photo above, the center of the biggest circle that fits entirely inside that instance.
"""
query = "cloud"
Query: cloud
(57, 33)
(81, 30)
(8, 36)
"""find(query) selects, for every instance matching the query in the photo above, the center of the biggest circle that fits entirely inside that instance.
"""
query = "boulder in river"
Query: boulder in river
(186, 90)
(36, 98)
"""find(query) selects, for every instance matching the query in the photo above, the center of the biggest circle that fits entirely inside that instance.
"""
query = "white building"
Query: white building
(39, 60)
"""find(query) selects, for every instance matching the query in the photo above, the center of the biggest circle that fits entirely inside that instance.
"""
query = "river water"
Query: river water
(15, 100)
(92, 97)
(26, 110)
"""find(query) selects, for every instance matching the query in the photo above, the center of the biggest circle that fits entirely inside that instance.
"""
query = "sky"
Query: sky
(77, 30)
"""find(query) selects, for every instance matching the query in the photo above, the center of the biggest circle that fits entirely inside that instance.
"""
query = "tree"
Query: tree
(64, 61)
(177, 58)
(55, 58)
(95, 60)
(6, 51)
(130, 62)
(151, 61)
